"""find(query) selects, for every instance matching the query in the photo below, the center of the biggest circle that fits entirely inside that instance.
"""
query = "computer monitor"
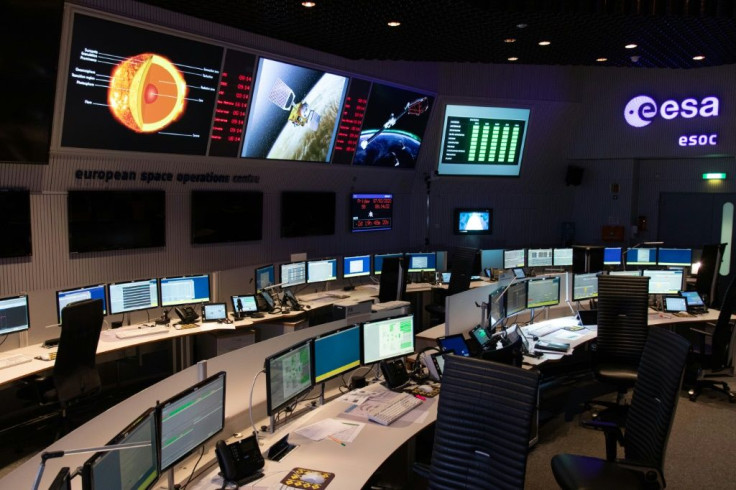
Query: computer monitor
(625, 273)
(189, 418)
(496, 307)
(126, 468)
(62, 480)
(491, 259)
(514, 258)
(454, 343)
(562, 257)
(675, 304)
(477, 221)
(214, 312)
(321, 270)
(664, 281)
(336, 353)
(612, 256)
(184, 290)
(539, 257)
(388, 338)
(542, 291)
(516, 298)
(378, 261)
(265, 276)
(67, 296)
(421, 262)
(14, 311)
(641, 256)
(244, 304)
(133, 295)
(356, 266)
(584, 286)
(293, 274)
(289, 374)
(693, 298)
(681, 257)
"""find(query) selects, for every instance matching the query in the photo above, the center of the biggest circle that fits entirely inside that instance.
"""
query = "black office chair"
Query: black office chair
(464, 261)
(74, 376)
(622, 333)
(713, 351)
(647, 426)
(483, 425)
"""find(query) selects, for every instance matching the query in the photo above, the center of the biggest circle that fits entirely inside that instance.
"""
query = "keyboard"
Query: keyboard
(398, 406)
(551, 326)
(141, 332)
(388, 305)
(14, 360)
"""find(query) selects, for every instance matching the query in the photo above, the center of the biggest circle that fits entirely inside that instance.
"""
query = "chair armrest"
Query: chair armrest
(613, 434)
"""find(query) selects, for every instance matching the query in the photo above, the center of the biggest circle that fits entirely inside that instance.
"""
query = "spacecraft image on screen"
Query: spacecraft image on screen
(393, 128)
(134, 89)
(294, 113)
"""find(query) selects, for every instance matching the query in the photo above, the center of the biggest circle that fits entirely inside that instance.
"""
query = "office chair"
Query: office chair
(622, 333)
(74, 376)
(483, 424)
(720, 361)
(647, 426)
(462, 268)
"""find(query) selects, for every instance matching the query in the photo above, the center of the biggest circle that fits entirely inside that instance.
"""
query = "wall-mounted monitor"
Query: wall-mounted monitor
(421, 262)
(584, 286)
(128, 468)
(265, 276)
(393, 127)
(66, 296)
(612, 256)
(226, 216)
(378, 261)
(293, 274)
(14, 311)
(680, 257)
(116, 220)
(562, 257)
(321, 270)
(371, 212)
(294, 113)
(356, 266)
(336, 353)
(516, 298)
(388, 338)
(539, 257)
(133, 296)
(307, 214)
(482, 140)
(289, 374)
(664, 281)
(15, 222)
(542, 291)
(641, 256)
(473, 221)
(190, 418)
(184, 290)
(514, 258)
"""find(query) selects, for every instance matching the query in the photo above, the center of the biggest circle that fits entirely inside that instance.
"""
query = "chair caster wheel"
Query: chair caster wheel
(732, 398)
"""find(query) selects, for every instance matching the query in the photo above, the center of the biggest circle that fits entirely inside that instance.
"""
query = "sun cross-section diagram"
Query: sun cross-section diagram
(147, 93)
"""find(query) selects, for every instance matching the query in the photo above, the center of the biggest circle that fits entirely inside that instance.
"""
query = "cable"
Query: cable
(4, 338)
(250, 403)
(191, 475)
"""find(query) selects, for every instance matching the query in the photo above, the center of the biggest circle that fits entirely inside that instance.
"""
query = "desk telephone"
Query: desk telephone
(395, 373)
(240, 461)
(187, 314)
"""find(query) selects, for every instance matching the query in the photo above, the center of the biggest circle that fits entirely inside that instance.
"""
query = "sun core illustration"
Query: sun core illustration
(147, 93)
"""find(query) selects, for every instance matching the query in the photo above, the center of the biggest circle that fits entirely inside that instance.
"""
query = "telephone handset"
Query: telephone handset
(266, 302)
(395, 373)
(187, 314)
(291, 300)
(240, 461)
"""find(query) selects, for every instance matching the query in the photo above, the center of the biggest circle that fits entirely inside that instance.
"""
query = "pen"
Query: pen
(337, 440)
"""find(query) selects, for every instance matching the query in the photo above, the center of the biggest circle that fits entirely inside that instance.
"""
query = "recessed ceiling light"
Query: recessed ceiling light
(509, 40)
(700, 57)
(630, 46)
(601, 60)
(513, 58)
(394, 23)
(544, 43)
(522, 26)
(308, 5)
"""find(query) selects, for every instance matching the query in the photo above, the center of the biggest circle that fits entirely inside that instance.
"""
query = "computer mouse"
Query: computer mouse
(312, 477)
(425, 388)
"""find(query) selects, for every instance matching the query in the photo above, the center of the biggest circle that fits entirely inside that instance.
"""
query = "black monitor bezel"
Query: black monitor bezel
(544, 279)
(281, 275)
(363, 360)
(235, 309)
(263, 267)
(270, 408)
(158, 296)
(362, 274)
(306, 272)
(456, 221)
(161, 296)
(105, 305)
(574, 281)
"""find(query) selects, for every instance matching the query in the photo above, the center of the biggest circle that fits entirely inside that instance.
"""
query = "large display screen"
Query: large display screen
(294, 113)
(393, 127)
(226, 216)
(15, 222)
(307, 214)
(479, 140)
(371, 212)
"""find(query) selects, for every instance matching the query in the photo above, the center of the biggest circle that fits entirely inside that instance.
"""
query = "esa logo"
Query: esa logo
(642, 109)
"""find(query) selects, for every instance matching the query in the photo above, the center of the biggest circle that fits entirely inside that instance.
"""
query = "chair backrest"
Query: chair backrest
(722, 344)
(622, 318)
(483, 424)
(75, 372)
(462, 267)
(707, 279)
(393, 279)
(654, 401)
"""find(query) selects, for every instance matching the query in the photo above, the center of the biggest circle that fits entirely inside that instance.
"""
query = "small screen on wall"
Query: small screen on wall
(371, 212)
